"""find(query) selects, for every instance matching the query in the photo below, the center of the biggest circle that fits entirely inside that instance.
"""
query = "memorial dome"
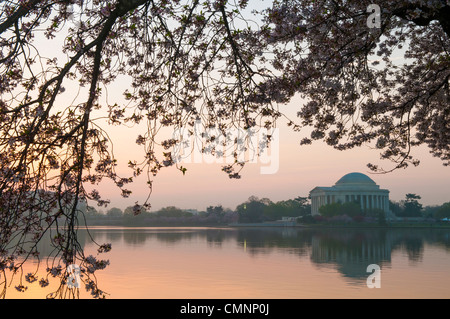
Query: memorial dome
(355, 179)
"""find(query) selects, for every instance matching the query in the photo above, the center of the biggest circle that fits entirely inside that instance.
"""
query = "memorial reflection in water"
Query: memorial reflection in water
(347, 250)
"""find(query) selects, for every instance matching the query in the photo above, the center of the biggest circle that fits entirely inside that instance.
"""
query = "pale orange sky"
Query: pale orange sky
(301, 168)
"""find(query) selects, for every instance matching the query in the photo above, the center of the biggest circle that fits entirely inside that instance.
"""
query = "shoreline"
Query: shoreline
(281, 225)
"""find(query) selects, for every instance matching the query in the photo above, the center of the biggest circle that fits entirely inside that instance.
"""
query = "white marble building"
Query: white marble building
(353, 187)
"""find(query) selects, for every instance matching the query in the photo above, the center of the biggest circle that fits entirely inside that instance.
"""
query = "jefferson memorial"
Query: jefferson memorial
(353, 187)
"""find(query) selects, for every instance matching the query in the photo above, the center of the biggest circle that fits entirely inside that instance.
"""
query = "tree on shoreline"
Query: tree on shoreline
(443, 211)
(190, 61)
(409, 207)
(114, 212)
(412, 207)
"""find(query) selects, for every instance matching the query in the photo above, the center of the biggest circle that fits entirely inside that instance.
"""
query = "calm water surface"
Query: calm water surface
(276, 263)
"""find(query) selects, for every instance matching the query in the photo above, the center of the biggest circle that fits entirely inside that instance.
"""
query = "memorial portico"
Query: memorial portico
(353, 187)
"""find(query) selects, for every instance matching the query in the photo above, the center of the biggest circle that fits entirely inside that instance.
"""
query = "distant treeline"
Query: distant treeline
(253, 210)
(256, 210)
(411, 207)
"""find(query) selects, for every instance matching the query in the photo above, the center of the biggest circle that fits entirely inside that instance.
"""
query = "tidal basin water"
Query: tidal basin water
(280, 263)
